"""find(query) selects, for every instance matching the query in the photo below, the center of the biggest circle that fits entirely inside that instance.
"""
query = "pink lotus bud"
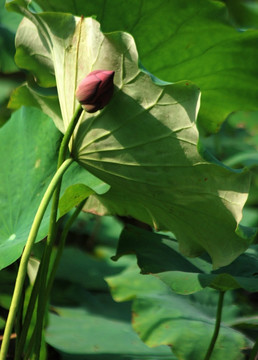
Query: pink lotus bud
(96, 90)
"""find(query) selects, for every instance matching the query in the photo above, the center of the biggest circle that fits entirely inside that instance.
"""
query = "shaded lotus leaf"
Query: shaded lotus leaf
(91, 327)
(77, 267)
(162, 317)
(159, 255)
(165, 319)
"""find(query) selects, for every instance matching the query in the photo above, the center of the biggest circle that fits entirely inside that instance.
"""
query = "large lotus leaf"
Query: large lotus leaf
(98, 327)
(145, 143)
(162, 317)
(90, 329)
(28, 147)
(158, 254)
(176, 321)
(184, 40)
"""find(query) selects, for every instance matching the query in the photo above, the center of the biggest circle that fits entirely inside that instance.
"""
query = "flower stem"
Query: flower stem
(41, 280)
(52, 235)
(217, 326)
(61, 246)
(52, 275)
(26, 254)
(68, 134)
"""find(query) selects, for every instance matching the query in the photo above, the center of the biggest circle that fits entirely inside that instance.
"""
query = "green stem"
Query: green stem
(27, 319)
(53, 272)
(68, 134)
(44, 270)
(217, 326)
(61, 246)
(19, 317)
(44, 296)
(25, 257)
(39, 285)
(52, 235)
(254, 353)
(49, 286)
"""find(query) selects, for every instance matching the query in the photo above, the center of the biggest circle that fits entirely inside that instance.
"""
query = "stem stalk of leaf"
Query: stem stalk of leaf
(217, 326)
(61, 246)
(42, 300)
(39, 288)
(53, 272)
(27, 319)
(19, 318)
(25, 257)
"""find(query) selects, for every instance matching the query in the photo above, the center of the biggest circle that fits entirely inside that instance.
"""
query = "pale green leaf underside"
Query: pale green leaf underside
(145, 142)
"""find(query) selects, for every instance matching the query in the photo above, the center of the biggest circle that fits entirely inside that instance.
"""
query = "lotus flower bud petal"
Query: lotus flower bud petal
(95, 91)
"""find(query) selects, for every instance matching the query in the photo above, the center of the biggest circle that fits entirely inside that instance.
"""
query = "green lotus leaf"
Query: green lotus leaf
(28, 156)
(185, 39)
(165, 319)
(145, 143)
(184, 275)
(90, 328)
(160, 316)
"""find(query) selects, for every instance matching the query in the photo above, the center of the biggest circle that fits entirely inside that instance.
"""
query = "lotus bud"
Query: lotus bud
(95, 91)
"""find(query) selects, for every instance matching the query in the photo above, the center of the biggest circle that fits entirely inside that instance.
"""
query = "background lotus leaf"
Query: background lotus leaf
(186, 276)
(28, 147)
(184, 39)
(162, 317)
